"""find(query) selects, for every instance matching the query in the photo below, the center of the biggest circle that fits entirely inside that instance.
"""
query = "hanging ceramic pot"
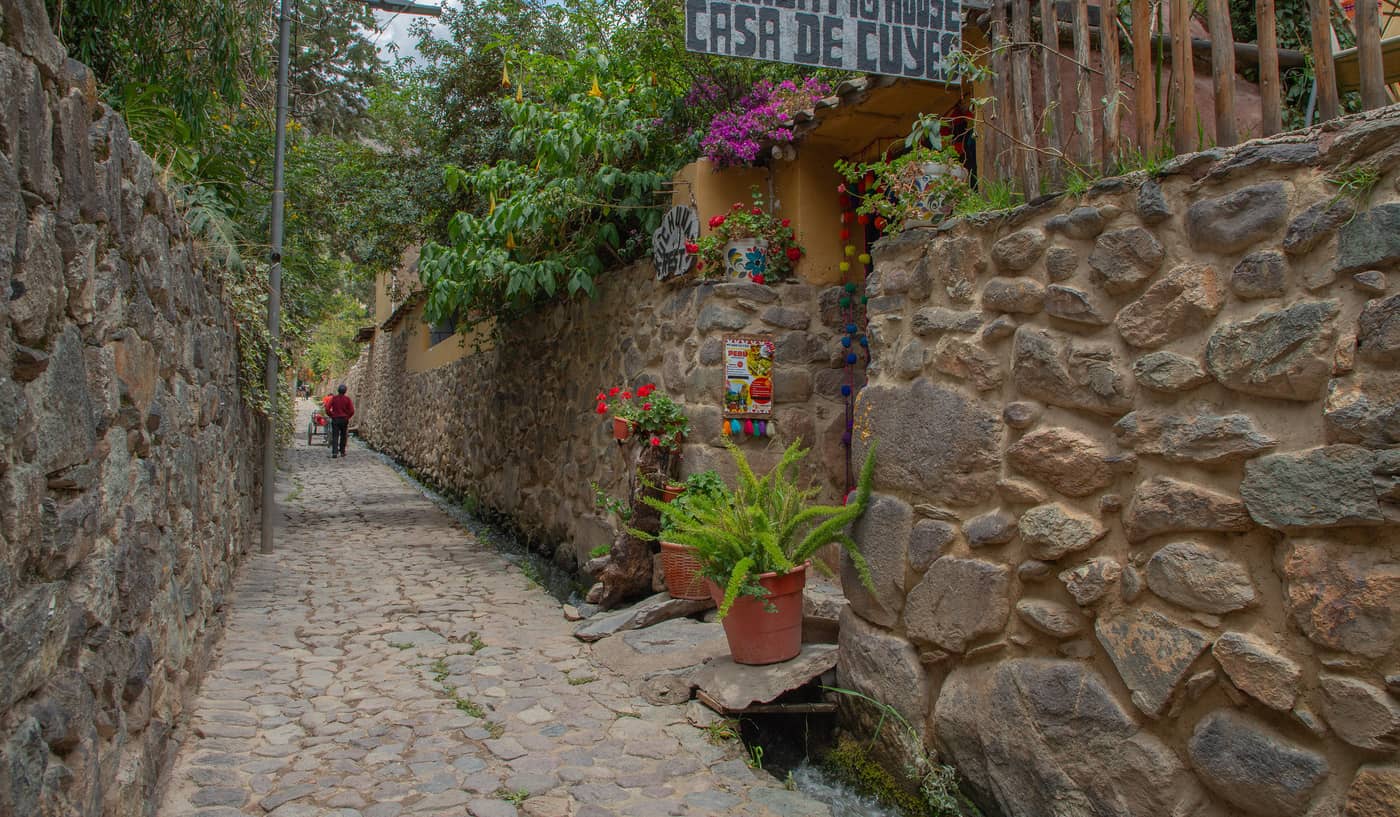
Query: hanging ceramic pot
(745, 258)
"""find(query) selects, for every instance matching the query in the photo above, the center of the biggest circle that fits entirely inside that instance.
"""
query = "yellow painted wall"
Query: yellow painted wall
(422, 357)
(805, 188)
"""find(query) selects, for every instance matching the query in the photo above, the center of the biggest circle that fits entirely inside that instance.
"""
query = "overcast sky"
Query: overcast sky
(395, 29)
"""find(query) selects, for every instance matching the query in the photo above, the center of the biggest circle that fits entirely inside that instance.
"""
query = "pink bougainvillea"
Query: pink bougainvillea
(735, 136)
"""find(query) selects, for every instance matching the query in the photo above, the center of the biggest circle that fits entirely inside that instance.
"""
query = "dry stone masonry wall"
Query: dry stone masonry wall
(1136, 538)
(125, 483)
(513, 426)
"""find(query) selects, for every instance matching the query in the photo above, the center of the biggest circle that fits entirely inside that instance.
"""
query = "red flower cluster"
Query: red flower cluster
(691, 247)
(794, 253)
(718, 221)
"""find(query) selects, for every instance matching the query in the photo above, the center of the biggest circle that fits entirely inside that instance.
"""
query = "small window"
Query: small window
(440, 332)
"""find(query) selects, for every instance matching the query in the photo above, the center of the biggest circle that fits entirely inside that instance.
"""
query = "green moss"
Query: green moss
(849, 762)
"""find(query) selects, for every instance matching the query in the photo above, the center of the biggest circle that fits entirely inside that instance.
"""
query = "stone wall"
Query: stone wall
(514, 426)
(1136, 538)
(126, 483)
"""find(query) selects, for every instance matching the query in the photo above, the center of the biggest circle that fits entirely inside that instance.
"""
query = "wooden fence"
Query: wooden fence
(1029, 139)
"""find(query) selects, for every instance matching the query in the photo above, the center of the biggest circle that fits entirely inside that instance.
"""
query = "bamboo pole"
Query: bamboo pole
(1054, 108)
(1108, 33)
(1270, 95)
(1183, 87)
(1222, 70)
(1023, 120)
(1084, 92)
(1328, 105)
(997, 166)
(1145, 103)
(1368, 54)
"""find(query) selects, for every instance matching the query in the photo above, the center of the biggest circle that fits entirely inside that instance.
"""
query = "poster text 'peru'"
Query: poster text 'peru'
(901, 38)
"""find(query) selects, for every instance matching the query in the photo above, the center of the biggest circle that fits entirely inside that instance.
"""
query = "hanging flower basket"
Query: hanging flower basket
(748, 243)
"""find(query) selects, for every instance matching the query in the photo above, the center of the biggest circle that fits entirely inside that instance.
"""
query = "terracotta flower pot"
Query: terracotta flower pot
(622, 428)
(757, 636)
(682, 572)
(671, 491)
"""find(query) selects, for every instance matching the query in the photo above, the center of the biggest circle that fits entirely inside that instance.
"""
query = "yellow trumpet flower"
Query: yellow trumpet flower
(595, 91)
(505, 76)
(492, 210)
(510, 241)
(519, 93)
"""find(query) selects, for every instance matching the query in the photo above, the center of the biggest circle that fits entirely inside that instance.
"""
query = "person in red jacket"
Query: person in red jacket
(340, 410)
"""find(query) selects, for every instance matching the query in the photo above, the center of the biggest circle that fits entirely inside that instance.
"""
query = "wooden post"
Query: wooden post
(1183, 87)
(1270, 97)
(1145, 102)
(1054, 107)
(997, 167)
(1084, 90)
(1222, 69)
(1328, 105)
(1108, 38)
(1368, 54)
(1023, 120)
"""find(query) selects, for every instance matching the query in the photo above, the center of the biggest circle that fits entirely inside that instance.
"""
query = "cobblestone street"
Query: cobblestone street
(382, 663)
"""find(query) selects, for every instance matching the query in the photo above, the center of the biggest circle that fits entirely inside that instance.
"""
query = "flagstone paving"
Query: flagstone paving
(382, 663)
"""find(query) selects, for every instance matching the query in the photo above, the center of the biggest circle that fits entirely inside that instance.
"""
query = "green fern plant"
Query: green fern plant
(767, 524)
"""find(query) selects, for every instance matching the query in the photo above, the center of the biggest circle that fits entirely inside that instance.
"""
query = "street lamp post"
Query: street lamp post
(274, 294)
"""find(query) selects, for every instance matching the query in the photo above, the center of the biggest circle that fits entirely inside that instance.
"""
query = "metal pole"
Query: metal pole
(274, 288)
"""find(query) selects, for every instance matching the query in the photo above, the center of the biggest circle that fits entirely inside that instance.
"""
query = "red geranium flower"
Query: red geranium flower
(627, 395)
(787, 222)
(613, 391)
(758, 211)
(646, 407)
(691, 247)
(863, 218)
(794, 253)
(655, 441)
(650, 387)
(602, 396)
(758, 279)
(880, 222)
(602, 408)
(738, 205)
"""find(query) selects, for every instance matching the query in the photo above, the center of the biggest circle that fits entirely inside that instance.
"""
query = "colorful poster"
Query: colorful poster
(748, 377)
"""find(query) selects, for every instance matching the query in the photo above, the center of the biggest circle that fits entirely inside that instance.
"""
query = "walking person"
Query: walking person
(340, 409)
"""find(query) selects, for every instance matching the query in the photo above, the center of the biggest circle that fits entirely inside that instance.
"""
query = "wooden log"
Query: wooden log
(813, 708)
(1270, 95)
(1368, 54)
(1183, 86)
(1108, 32)
(1328, 103)
(1083, 90)
(1144, 90)
(1023, 119)
(998, 167)
(1054, 108)
(1222, 69)
(628, 573)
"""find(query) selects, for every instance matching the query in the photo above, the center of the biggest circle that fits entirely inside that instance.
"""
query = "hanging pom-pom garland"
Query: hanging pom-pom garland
(853, 312)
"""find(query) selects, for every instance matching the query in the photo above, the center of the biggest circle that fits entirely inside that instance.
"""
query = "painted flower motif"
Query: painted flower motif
(758, 278)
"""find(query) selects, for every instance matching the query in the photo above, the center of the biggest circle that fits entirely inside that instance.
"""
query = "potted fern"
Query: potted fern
(754, 545)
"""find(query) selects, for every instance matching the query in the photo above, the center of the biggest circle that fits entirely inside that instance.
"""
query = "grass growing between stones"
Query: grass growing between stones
(400, 645)
(474, 640)
(580, 680)
(722, 731)
(515, 798)
(934, 792)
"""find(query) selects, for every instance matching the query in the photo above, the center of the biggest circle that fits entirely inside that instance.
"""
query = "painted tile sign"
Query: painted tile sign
(748, 377)
(901, 38)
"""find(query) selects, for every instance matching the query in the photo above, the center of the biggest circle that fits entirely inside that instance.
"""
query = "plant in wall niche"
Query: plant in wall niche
(735, 136)
(922, 183)
(748, 242)
(612, 505)
(754, 545)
